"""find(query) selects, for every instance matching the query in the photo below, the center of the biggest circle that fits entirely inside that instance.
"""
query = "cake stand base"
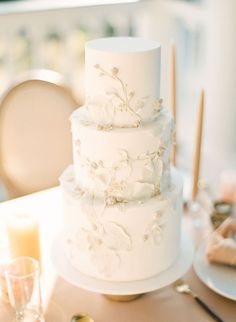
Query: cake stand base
(122, 298)
(123, 291)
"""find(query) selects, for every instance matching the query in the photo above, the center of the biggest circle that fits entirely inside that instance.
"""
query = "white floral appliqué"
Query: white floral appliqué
(117, 99)
(155, 229)
(104, 241)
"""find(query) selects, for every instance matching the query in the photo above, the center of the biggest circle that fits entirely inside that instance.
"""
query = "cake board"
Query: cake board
(122, 291)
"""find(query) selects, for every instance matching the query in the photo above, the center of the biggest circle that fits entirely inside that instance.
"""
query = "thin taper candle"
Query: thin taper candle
(197, 156)
(172, 102)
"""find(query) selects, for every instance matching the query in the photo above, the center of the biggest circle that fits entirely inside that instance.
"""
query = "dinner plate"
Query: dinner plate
(219, 278)
(73, 276)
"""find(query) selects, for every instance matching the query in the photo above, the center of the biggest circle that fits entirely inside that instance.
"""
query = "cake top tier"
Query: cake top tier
(123, 45)
(122, 81)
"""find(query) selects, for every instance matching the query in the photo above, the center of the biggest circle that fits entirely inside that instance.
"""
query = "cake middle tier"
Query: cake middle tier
(122, 164)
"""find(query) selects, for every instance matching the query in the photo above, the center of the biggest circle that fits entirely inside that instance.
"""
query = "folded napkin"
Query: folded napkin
(221, 247)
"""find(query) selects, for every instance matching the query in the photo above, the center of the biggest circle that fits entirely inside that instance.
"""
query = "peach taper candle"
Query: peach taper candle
(197, 156)
(172, 101)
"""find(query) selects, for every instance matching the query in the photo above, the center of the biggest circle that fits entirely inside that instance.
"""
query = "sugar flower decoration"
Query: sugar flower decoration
(157, 104)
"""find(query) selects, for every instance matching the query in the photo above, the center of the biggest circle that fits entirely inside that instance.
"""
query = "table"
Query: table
(164, 305)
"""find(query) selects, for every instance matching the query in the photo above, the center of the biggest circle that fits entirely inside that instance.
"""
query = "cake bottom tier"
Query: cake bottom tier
(125, 241)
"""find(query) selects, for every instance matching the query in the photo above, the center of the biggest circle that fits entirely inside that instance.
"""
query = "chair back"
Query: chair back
(35, 138)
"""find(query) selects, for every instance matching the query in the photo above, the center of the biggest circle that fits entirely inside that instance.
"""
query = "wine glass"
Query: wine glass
(23, 284)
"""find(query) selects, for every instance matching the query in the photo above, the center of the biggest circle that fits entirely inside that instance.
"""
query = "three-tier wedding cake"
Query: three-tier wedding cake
(122, 202)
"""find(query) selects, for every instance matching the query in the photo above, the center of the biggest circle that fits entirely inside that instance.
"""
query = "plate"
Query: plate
(73, 276)
(219, 278)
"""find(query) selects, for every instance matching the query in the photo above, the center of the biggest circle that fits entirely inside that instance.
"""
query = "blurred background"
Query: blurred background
(37, 34)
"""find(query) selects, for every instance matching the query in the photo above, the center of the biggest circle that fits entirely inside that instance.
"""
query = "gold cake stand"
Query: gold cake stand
(122, 298)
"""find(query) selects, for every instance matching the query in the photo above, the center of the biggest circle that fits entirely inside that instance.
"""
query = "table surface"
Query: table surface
(163, 305)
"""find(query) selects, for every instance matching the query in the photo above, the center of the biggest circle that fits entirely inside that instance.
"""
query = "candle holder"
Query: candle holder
(199, 216)
(201, 208)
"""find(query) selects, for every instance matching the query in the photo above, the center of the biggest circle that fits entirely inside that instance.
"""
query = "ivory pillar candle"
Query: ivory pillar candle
(228, 185)
(23, 236)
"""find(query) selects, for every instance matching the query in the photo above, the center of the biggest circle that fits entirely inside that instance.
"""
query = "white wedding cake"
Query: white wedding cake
(122, 203)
